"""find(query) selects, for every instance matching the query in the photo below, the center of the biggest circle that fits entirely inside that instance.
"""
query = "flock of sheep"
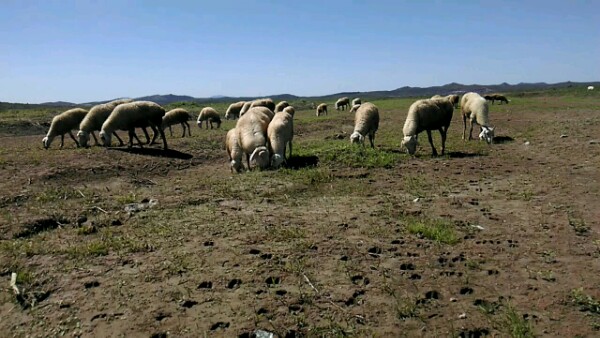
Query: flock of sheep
(264, 131)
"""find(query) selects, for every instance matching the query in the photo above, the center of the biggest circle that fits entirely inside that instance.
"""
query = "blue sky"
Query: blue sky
(81, 51)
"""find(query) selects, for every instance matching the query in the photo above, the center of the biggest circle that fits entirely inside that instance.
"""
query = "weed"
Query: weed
(585, 302)
(436, 230)
(515, 324)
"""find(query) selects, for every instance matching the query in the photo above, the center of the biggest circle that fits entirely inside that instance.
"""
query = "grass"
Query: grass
(515, 324)
(439, 231)
(585, 302)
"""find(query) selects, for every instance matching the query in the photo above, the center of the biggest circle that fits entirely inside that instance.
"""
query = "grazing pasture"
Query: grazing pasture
(344, 240)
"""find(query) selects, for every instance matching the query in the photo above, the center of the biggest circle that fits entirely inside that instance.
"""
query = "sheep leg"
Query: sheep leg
(290, 155)
(132, 135)
(118, 138)
(464, 125)
(74, 139)
(188, 128)
(248, 161)
(162, 134)
(470, 130)
(62, 140)
(443, 134)
(171, 131)
(155, 133)
(433, 151)
(146, 134)
(95, 139)
(372, 140)
(183, 126)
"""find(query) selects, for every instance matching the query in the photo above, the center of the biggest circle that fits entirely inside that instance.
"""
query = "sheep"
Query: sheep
(356, 101)
(266, 102)
(95, 118)
(590, 88)
(496, 97)
(452, 98)
(209, 115)
(233, 112)
(281, 106)
(322, 109)
(342, 103)
(177, 115)
(280, 134)
(354, 108)
(245, 108)
(129, 116)
(290, 110)
(475, 108)
(366, 122)
(252, 135)
(427, 115)
(234, 151)
(62, 124)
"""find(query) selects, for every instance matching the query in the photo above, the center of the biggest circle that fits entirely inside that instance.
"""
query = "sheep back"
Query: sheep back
(475, 108)
(366, 121)
(266, 102)
(233, 111)
(252, 134)
(132, 115)
(280, 132)
(174, 116)
(281, 106)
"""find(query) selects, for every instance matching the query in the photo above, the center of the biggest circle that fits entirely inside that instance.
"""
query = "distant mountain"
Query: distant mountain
(406, 91)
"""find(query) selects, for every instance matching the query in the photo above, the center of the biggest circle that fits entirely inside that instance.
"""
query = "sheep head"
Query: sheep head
(200, 124)
(83, 137)
(487, 134)
(276, 160)
(236, 166)
(260, 157)
(106, 138)
(356, 137)
(410, 143)
(46, 142)
(354, 108)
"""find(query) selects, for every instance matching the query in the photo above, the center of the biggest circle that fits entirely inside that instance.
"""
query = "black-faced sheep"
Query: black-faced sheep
(129, 116)
(366, 122)
(209, 115)
(95, 118)
(252, 135)
(475, 109)
(62, 124)
(280, 134)
(175, 116)
(427, 115)
(233, 112)
(342, 103)
(322, 109)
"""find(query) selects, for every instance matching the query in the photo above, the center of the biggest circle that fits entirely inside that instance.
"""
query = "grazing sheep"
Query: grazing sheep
(290, 110)
(427, 115)
(356, 101)
(590, 88)
(245, 108)
(280, 134)
(175, 116)
(233, 112)
(354, 108)
(496, 97)
(281, 106)
(209, 115)
(452, 98)
(475, 109)
(342, 103)
(322, 109)
(252, 135)
(62, 124)
(234, 151)
(129, 116)
(366, 122)
(95, 118)
(263, 103)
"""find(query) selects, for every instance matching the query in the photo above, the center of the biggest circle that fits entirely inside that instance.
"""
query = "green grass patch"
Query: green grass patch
(439, 231)
(516, 325)
(586, 303)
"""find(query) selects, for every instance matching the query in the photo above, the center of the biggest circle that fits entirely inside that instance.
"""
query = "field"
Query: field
(499, 240)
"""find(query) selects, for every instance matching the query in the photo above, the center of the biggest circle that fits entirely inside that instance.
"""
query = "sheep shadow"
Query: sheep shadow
(156, 152)
(299, 162)
(462, 154)
(503, 139)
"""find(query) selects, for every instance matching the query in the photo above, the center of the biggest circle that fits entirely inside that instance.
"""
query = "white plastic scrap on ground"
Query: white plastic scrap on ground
(135, 207)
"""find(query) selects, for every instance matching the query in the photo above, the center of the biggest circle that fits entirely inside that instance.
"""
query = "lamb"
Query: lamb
(366, 122)
(233, 112)
(356, 101)
(234, 151)
(281, 106)
(322, 109)
(475, 108)
(427, 115)
(280, 134)
(62, 124)
(342, 103)
(175, 116)
(209, 115)
(245, 108)
(129, 116)
(263, 103)
(252, 136)
(95, 118)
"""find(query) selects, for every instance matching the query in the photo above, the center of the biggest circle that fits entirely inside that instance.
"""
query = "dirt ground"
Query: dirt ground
(322, 248)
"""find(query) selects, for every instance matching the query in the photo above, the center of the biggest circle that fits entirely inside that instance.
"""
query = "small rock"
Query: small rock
(462, 316)
(453, 299)
(416, 200)
(527, 143)
(564, 135)
(595, 142)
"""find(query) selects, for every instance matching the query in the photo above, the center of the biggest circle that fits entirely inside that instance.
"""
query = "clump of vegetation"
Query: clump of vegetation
(433, 229)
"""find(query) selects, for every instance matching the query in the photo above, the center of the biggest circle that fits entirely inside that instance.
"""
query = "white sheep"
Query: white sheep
(366, 122)
(252, 135)
(95, 118)
(590, 88)
(427, 115)
(342, 103)
(175, 116)
(475, 109)
(62, 124)
(356, 101)
(280, 134)
(354, 108)
(233, 112)
(210, 115)
(452, 98)
(322, 109)
(234, 150)
(266, 102)
(245, 108)
(281, 106)
(129, 116)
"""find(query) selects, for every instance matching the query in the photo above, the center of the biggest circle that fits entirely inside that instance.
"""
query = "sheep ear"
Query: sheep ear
(491, 129)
